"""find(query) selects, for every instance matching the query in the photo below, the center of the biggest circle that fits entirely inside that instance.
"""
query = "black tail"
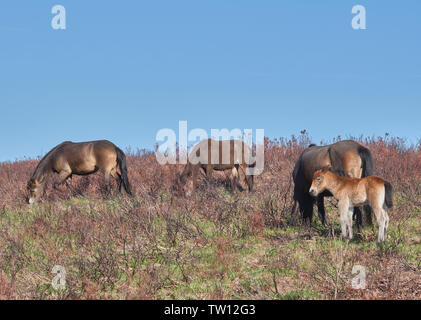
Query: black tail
(388, 196)
(121, 161)
(366, 162)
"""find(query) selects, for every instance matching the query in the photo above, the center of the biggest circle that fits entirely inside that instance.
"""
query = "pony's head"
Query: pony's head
(35, 188)
(320, 181)
(180, 185)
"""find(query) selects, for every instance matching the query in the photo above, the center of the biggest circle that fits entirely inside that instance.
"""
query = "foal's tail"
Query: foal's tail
(366, 162)
(121, 161)
(388, 196)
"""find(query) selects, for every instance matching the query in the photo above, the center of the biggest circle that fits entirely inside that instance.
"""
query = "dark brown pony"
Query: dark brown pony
(346, 157)
(239, 157)
(81, 158)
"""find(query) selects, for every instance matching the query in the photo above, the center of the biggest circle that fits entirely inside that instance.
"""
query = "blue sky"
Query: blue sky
(122, 70)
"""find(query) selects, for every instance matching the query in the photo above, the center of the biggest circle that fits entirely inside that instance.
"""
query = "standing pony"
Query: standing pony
(81, 158)
(347, 157)
(351, 192)
(219, 155)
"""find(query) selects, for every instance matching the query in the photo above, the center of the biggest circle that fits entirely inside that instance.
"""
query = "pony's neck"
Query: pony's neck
(335, 184)
(42, 171)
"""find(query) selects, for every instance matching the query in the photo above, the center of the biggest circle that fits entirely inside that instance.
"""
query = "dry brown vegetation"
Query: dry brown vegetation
(211, 245)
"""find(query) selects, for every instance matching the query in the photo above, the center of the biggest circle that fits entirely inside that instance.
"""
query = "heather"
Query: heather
(212, 244)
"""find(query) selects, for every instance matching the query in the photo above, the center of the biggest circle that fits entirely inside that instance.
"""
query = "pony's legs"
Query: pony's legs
(321, 209)
(380, 217)
(386, 224)
(349, 223)
(343, 217)
(357, 215)
(209, 171)
(249, 181)
(195, 173)
(63, 175)
(367, 215)
(234, 179)
(307, 208)
(117, 177)
(107, 182)
(294, 213)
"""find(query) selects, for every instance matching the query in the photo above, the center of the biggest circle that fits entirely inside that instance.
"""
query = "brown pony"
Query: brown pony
(347, 157)
(81, 158)
(351, 192)
(217, 159)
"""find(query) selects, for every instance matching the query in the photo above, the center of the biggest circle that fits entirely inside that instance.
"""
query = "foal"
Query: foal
(351, 192)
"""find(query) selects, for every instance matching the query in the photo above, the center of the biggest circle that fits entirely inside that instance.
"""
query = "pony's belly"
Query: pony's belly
(359, 201)
(84, 169)
(222, 167)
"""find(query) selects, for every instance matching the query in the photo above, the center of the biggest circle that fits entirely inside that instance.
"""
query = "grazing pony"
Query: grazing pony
(351, 192)
(348, 157)
(81, 158)
(220, 156)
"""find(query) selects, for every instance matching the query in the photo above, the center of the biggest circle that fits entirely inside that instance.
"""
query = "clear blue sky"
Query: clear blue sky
(122, 70)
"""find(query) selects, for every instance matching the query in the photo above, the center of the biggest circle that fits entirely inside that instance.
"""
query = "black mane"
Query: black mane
(339, 172)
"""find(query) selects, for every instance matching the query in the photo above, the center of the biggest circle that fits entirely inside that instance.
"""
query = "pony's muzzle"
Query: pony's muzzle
(313, 192)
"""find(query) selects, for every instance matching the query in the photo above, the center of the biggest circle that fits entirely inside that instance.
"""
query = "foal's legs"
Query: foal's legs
(381, 221)
(349, 223)
(386, 223)
(344, 210)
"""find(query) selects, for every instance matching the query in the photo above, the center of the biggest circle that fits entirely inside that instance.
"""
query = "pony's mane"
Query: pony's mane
(39, 170)
(339, 172)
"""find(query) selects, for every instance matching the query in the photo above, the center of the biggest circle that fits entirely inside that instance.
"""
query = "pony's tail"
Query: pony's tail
(367, 165)
(388, 196)
(366, 162)
(121, 161)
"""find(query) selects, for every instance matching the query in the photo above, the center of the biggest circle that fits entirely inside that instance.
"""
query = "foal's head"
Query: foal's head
(35, 188)
(321, 180)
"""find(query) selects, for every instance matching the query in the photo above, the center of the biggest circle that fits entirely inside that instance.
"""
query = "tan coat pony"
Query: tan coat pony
(81, 158)
(219, 155)
(352, 192)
